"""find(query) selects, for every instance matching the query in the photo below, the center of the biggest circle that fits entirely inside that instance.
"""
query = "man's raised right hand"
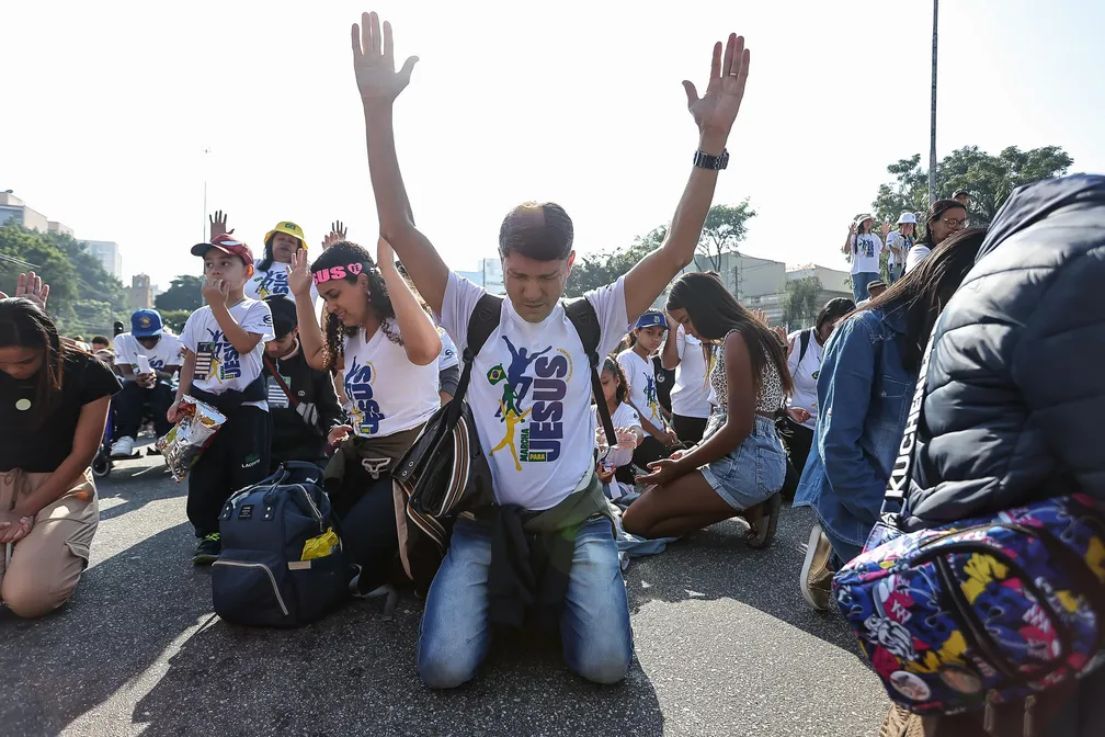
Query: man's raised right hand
(374, 62)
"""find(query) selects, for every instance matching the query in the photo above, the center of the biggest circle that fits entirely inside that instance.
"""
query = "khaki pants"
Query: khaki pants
(45, 566)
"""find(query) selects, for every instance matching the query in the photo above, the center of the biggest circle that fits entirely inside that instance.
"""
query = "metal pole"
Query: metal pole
(203, 223)
(932, 122)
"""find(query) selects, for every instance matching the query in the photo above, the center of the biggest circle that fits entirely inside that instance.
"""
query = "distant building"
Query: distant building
(107, 252)
(13, 210)
(834, 283)
(140, 293)
(488, 274)
(59, 228)
(757, 283)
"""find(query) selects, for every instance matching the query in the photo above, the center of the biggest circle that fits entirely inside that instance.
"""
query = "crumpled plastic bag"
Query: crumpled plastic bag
(182, 445)
(320, 546)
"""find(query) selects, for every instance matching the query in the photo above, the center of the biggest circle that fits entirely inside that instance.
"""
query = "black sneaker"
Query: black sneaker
(208, 550)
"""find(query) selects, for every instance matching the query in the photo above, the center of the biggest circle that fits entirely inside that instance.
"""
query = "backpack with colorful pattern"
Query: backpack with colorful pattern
(979, 612)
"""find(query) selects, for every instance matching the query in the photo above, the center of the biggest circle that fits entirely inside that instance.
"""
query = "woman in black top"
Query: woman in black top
(53, 405)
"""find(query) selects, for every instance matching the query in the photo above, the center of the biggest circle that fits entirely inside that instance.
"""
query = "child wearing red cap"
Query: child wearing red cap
(224, 346)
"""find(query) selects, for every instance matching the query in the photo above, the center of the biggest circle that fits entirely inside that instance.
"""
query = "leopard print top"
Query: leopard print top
(771, 385)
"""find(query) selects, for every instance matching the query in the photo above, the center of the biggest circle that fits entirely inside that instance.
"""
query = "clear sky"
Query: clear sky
(109, 107)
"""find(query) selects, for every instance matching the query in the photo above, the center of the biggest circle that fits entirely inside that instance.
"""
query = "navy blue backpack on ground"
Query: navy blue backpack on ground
(265, 575)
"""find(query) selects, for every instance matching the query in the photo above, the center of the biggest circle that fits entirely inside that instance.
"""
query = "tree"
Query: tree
(605, 267)
(184, 293)
(989, 179)
(800, 304)
(175, 319)
(724, 230)
(84, 298)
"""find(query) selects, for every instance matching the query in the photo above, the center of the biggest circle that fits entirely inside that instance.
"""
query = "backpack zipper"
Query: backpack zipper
(272, 578)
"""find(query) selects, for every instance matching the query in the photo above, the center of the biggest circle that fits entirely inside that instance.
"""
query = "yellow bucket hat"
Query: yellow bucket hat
(287, 227)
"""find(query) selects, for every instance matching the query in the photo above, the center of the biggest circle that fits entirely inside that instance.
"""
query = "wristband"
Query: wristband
(704, 160)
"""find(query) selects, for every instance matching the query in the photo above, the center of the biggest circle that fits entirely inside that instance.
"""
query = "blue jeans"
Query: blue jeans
(860, 282)
(594, 624)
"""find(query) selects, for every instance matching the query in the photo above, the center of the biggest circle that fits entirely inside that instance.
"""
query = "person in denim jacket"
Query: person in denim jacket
(863, 395)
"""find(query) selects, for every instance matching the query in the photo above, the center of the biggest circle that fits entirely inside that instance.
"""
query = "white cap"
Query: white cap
(907, 218)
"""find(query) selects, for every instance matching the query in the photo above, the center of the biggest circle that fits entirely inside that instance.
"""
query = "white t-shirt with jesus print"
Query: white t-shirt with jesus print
(530, 393)
(273, 281)
(642, 386)
(387, 393)
(219, 367)
(165, 353)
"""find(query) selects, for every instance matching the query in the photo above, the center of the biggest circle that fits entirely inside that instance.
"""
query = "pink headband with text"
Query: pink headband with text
(338, 272)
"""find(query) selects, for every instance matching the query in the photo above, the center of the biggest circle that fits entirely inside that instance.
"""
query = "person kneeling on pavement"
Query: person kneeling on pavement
(147, 359)
(54, 401)
(302, 401)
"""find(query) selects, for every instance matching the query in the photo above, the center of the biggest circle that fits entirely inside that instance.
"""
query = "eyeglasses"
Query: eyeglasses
(956, 222)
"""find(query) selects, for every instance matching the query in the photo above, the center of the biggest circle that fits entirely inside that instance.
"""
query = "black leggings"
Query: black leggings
(368, 531)
(689, 429)
(798, 441)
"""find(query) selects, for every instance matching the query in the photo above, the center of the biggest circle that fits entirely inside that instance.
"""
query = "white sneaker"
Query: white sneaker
(123, 447)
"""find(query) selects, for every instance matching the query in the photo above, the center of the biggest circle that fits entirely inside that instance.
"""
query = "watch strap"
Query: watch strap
(704, 160)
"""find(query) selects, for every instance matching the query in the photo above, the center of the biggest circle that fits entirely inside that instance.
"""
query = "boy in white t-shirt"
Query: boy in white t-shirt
(530, 393)
(224, 347)
(147, 359)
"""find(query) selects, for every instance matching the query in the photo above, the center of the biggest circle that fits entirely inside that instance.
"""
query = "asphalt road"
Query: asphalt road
(725, 646)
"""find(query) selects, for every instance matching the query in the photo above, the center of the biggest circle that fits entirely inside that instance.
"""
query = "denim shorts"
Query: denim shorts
(752, 471)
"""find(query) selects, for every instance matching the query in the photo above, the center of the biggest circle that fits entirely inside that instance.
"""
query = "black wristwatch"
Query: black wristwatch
(704, 160)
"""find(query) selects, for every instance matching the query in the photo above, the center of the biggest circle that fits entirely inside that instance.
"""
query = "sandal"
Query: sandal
(762, 532)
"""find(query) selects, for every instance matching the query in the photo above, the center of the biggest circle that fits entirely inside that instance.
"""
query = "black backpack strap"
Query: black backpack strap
(804, 336)
(586, 322)
(481, 324)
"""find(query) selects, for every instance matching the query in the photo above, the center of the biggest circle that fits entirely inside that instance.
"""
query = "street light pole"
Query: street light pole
(203, 224)
(932, 121)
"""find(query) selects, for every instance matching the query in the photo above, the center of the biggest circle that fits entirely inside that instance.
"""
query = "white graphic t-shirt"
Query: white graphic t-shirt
(690, 397)
(387, 393)
(805, 374)
(902, 242)
(274, 281)
(448, 356)
(167, 352)
(916, 255)
(624, 416)
(530, 393)
(642, 386)
(219, 367)
(866, 250)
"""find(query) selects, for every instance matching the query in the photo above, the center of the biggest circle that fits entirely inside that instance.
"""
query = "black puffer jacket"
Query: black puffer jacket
(1015, 404)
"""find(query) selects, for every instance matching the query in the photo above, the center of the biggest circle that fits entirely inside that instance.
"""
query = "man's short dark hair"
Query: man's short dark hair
(541, 231)
(959, 192)
(283, 315)
(100, 340)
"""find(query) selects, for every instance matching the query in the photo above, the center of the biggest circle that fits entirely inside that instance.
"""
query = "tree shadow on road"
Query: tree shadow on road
(715, 564)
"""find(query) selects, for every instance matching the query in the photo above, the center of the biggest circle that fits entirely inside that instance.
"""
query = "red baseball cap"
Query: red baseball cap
(227, 244)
